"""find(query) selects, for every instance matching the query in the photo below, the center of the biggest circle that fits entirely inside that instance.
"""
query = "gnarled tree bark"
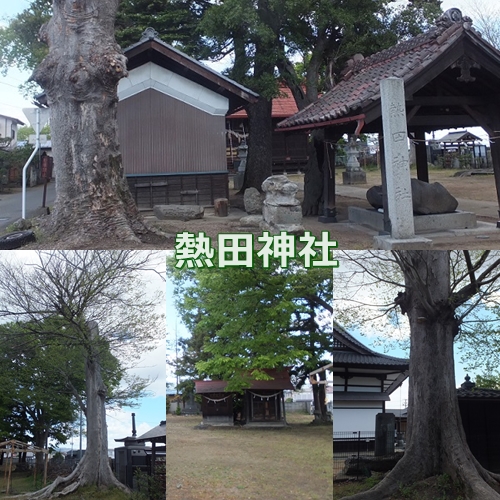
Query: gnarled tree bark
(436, 442)
(80, 77)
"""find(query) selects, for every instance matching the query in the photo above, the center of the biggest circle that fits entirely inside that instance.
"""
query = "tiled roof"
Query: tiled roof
(478, 393)
(359, 87)
(283, 106)
(358, 353)
(281, 380)
(369, 360)
(459, 136)
(156, 434)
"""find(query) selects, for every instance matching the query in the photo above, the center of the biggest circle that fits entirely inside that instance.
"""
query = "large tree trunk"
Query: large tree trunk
(94, 468)
(260, 146)
(313, 175)
(80, 77)
(436, 442)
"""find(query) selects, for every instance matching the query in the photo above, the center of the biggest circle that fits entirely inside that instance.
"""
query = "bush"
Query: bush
(148, 487)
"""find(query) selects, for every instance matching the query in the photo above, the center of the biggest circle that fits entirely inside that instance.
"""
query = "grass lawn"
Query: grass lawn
(22, 482)
(474, 187)
(294, 463)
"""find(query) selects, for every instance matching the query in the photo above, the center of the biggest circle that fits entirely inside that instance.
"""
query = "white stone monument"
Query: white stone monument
(281, 210)
(397, 170)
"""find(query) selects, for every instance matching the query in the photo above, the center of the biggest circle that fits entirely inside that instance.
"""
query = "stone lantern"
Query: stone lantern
(353, 174)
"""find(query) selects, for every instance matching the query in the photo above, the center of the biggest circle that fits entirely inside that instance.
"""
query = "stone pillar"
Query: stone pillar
(397, 170)
(397, 163)
(387, 222)
(385, 425)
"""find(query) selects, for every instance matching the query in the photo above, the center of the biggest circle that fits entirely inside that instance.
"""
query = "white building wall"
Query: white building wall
(353, 420)
(152, 76)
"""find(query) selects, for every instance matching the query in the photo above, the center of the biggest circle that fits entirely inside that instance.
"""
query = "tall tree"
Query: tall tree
(176, 22)
(80, 79)
(40, 403)
(245, 321)
(265, 39)
(249, 30)
(99, 302)
(486, 19)
(19, 45)
(437, 294)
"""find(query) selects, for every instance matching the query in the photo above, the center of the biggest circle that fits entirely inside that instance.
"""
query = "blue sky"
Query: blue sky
(364, 303)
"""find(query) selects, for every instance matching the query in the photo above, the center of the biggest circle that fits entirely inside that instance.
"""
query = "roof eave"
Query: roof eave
(193, 66)
(321, 124)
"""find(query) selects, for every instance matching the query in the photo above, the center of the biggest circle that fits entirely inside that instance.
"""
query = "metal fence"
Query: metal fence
(347, 448)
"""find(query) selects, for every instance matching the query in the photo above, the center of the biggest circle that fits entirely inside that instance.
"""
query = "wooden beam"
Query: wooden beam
(480, 118)
(448, 100)
(437, 122)
(410, 114)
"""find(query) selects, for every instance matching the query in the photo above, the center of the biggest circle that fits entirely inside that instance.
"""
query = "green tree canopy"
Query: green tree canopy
(244, 321)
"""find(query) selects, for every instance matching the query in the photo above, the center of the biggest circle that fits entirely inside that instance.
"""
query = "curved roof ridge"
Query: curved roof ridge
(356, 345)
(396, 50)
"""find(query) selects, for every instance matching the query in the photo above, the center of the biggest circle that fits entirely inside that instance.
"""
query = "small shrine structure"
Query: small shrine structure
(451, 80)
(261, 404)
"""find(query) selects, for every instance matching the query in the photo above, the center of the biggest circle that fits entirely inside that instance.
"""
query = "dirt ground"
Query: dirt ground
(349, 236)
(352, 236)
(236, 463)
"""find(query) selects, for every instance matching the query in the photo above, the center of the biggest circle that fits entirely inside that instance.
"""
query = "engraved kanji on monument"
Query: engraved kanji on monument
(398, 184)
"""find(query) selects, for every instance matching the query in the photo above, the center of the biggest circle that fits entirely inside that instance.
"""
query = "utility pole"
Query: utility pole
(176, 362)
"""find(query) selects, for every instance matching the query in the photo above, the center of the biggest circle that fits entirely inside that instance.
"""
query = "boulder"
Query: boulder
(251, 221)
(364, 465)
(427, 198)
(178, 212)
(253, 201)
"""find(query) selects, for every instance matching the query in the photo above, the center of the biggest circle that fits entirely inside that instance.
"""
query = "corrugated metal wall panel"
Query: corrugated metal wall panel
(159, 134)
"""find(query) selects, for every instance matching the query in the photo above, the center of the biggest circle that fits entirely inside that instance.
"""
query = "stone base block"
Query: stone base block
(251, 221)
(282, 214)
(218, 420)
(297, 229)
(423, 223)
(389, 243)
(178, 212)
(354, 177)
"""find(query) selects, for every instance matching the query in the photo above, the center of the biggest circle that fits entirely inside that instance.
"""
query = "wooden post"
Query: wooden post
(421, 156)
(9, 475)
(45, 468)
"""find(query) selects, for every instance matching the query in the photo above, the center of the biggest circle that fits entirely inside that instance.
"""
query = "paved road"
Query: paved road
(11, 203)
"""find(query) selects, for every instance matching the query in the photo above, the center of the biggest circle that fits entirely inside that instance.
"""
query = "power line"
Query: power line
(10, 85)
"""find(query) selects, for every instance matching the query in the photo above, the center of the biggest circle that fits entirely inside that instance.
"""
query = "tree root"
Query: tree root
(74, 481)
(477, 483)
